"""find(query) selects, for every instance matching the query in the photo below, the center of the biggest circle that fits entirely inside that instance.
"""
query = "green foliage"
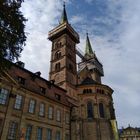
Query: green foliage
(12, 35)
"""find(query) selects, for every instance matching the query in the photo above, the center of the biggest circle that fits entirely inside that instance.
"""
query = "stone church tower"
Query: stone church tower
(63, 68)
(92, 116)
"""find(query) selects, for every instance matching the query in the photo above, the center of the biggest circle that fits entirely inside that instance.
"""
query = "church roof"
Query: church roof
(88, 81)
(33, 82)
(64, 15)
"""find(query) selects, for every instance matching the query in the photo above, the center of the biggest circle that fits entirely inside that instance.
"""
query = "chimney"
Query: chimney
(20, 63)
(38, 73)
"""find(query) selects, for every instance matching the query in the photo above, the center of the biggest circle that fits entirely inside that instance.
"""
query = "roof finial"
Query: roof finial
(64, 14)
(64, 3)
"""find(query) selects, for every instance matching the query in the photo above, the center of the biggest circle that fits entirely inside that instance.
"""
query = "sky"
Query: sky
(114, 32)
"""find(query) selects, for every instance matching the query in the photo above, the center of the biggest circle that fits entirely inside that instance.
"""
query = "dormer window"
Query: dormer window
(57, 96)
(21, 80)
(43, 90)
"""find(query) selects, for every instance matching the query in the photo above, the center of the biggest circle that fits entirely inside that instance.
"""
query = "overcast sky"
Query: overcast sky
(114, 31)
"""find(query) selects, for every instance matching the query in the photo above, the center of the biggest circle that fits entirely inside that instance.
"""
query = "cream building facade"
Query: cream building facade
(129, 133)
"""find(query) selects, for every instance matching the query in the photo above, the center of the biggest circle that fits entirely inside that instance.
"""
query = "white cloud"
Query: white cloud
(117, 48)
(42, 16)
(77, 19)
(89, 1)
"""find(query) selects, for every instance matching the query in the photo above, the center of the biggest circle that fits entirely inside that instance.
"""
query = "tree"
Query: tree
(12, 35)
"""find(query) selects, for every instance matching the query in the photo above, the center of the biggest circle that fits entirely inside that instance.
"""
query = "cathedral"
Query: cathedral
(73, 104)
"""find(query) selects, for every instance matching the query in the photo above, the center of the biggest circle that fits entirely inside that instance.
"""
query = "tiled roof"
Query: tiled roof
(34, 82)
(88, 81)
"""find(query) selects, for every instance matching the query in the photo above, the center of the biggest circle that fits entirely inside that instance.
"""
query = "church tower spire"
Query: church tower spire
(88, 49)
(91, 63)
(63, 69)
(64, 15)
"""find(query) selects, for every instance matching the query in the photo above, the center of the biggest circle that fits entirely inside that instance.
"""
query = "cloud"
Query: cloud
(89, 1)
(114, 35)
(42, 16)
(77, 19)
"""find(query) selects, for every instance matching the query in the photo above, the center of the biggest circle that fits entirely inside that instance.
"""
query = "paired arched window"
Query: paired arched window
(58, 45)
(57, 55)
(87, 91)
(100, 91)
(90, 110)
(57, 67)
(101, 110)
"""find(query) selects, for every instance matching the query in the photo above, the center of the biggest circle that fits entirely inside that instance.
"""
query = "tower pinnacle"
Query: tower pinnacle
(64, 15)
(88, 50)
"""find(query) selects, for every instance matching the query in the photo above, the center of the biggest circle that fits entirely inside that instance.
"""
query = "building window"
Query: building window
(89, 110)
(87, 91)
(67, 137)
(49, 134)
(101, 110)
(28, 132)
(57, 55)
(21, 80)
(18, 102)
(12, 131)
(3, 96)
(42, 109)
(58, 97)
(67, 118)
(32, 106)
(58, 45)
(43, 90)
(57, 135)
(70, 67)
(58, 115)
(57, 67)
(50, 112)
(39, 133)
(100, 91)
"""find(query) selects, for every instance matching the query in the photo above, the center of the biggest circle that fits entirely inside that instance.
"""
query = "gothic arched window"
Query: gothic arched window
(84, 91)
(57, 55)
(57, 67)
(101, 110)
(90, 110)
(70, 67)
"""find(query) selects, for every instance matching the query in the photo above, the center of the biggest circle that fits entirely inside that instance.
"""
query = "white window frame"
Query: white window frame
(50, 112)
(3, 96)
(42, 109)
(31, 108)
(58, 115)
(18, 102)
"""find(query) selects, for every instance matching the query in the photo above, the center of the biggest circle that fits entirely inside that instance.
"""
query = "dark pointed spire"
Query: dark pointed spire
(88, 50)
(64, 15)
